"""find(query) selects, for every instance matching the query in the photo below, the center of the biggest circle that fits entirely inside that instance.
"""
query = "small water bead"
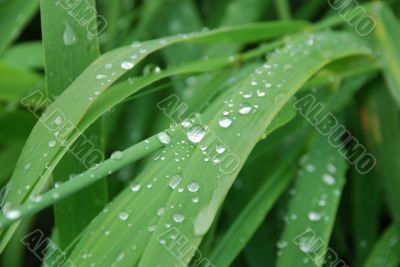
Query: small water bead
(108, 66)
(127, 65)
(117, 155)
(175, 181)
(331, 168)
(314, 216)
(164, 138)
(52, 143)
(254, 83)
(100, 76)
(310, 168)
(193, 187)
(220, 149)
(195, 199)
(69, 35)
(13, 214)
(225, 122)
(245, 109)
(248, 95)
(328, 179)
(135, 187)
(123, 215)
(37, 198)
(27, 166)
(58, 120)
(178, 217)
(196, 134)
(260, 93)
(281, 244)
(160, 211)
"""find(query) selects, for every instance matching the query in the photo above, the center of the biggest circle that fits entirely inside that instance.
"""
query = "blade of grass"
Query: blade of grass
(388, 45)
(27, 55)
(381, 128)
(386, 251)
(66, 40)
(308, 229)
(283, 9)
(213, 184)
(14, 15)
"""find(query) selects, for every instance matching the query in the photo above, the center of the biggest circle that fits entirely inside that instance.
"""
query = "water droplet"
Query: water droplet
(328, 179)
(13, 214)
(195, 199)
(127, 65)
(160, 211)
(123, 215)
(164, 138)
(245, 109)
(117, 155)
(193, 187)
(178, 217)
(135, 187)
(69, 35)
(260, 93)
(100, 76)
(58, 120)
(314, 216)
(52, 143)
(196, 134)
(225, 122)
(247, 95)
(175, 181)
(220, 149)
(27, 166)
(281, 244)
(331, 168)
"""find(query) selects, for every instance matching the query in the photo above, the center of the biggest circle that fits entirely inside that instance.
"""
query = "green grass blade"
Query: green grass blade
(388, 46)
(14, 14)
(67, 40)
(381, 128)
(117, 161)
(306, 235)
(283, 9)
(113, 65)
(386, 251)
(134, 208)
(28, 55)
(252, 215)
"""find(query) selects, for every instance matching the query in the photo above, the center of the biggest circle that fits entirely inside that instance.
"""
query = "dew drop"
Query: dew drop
(135, 187)
(164, 138)
(13, 214)
(196, 134)
(127, 65)
(314, 216)
(69, 35)
(244, 109)
(123, 215)
(117, 155)
(178, 217)
(175, 181)
(328, 179)
(220, 149)
(193, 187)
(225, 122)
(52, 143)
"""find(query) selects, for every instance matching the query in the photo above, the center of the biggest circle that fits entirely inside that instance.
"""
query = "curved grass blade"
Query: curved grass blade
(386, 251)
(249, 219)
(67, 40)
(117, 161)
(47, 149)
(28, 55)
(14, 14)
(381, 127)
(388, 45)
(312, 209)
(131, 221)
